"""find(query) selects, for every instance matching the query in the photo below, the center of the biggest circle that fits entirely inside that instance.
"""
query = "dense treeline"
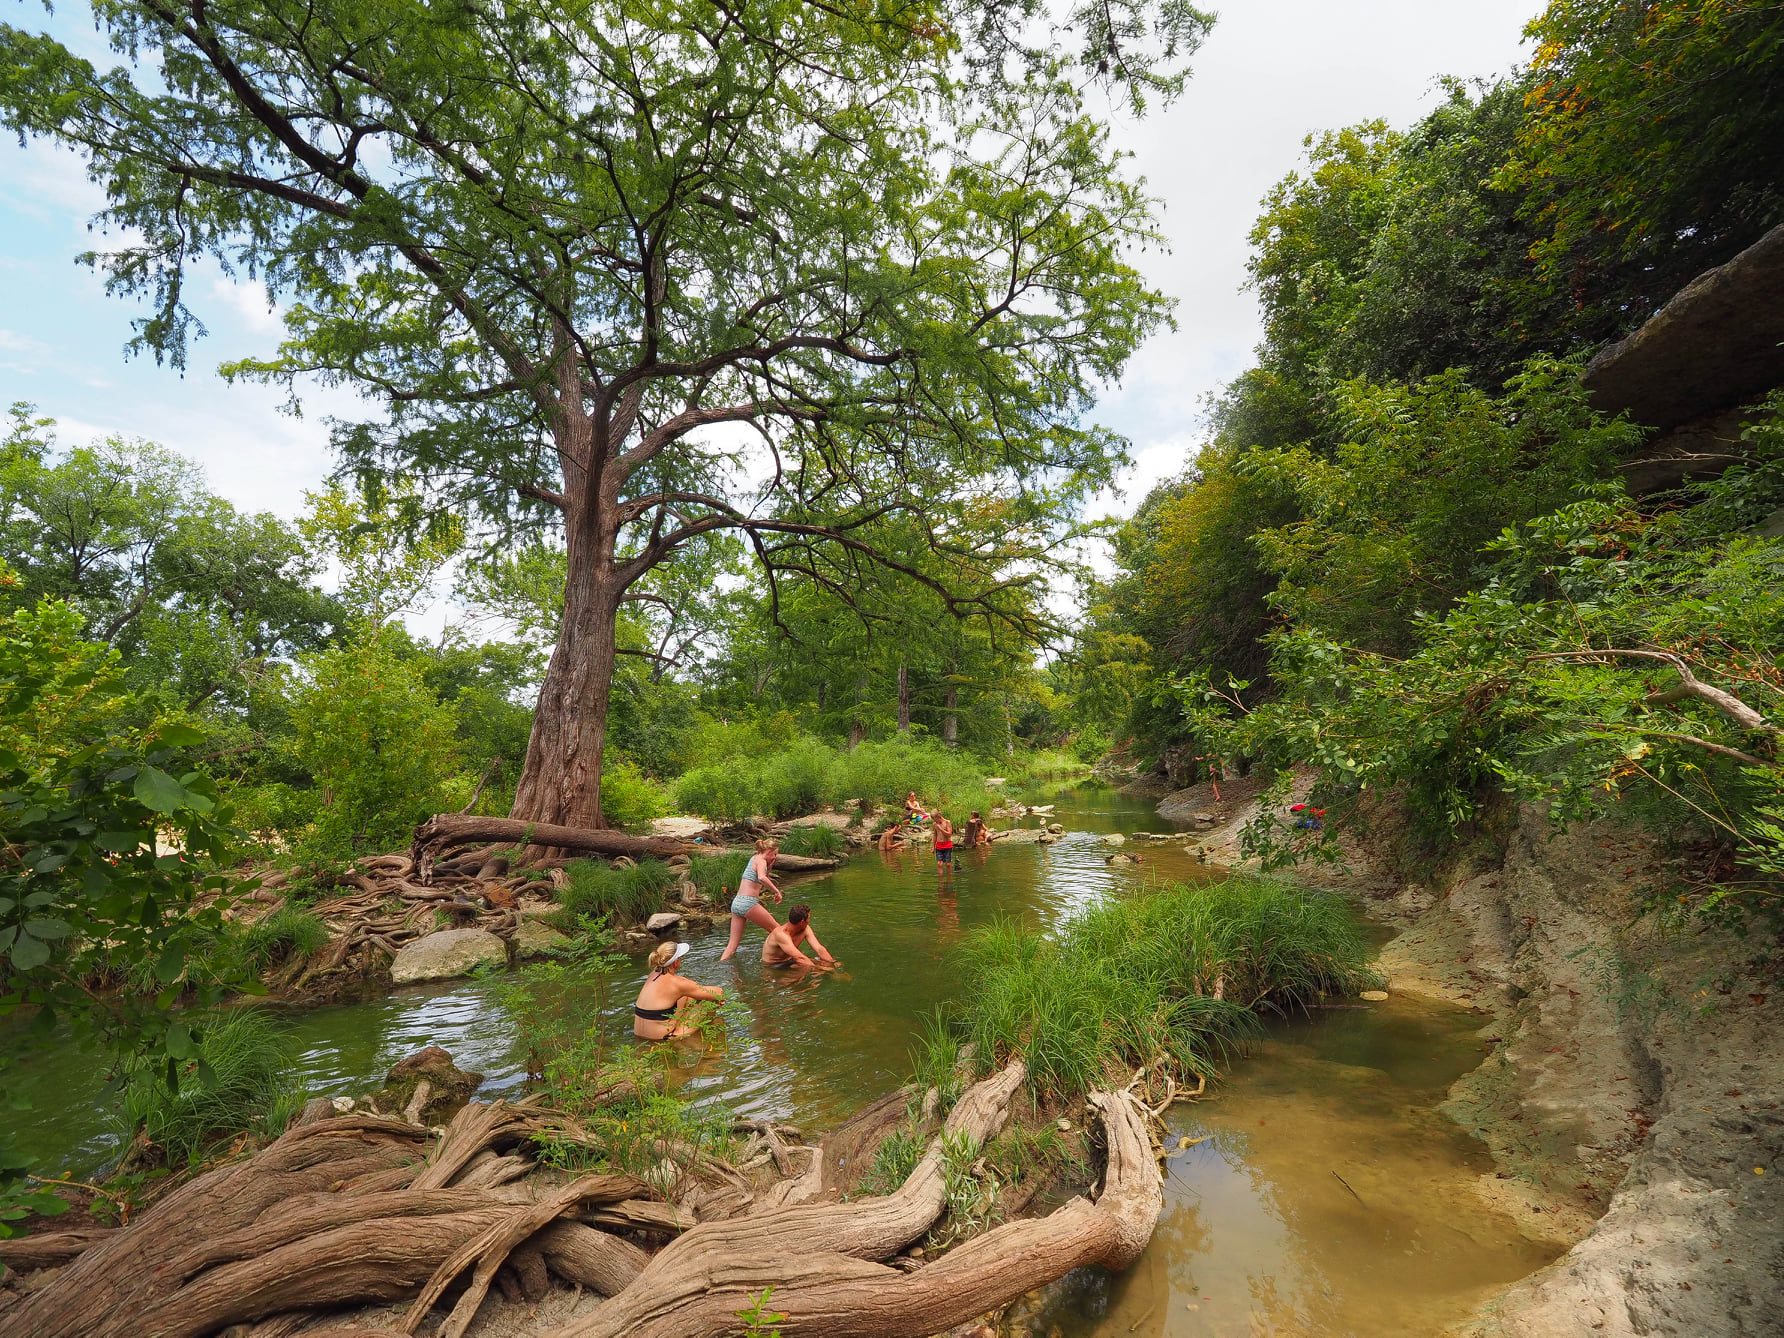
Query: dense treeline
(1403, 555)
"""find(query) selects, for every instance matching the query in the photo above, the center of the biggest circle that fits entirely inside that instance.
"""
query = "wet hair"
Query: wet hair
(798, 913)
(766, 844)
(660, 955)
(975, 812)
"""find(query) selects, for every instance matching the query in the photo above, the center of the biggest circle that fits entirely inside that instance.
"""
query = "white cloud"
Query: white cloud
(251, 305)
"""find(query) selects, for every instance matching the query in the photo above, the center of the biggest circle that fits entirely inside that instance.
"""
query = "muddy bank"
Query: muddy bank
(1633, 1099)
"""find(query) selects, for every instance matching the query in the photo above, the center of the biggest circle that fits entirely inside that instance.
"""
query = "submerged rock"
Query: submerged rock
(1374, 996)
(448, 953)
(1115, 839)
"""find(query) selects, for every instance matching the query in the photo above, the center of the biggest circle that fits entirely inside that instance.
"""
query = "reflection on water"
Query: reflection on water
(805, 1050)
(1325, 1196)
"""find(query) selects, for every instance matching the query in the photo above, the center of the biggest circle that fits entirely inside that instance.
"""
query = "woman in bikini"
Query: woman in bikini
(665, 991)
(746, 906)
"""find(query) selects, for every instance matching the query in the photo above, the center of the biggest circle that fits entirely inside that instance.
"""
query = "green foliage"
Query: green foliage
(1654, 147)
(629, 798)
(621, 896)
(758, 1320)
(1560, 680)
(893, 1160)
(380, 745)
(1394, 521)
(821, 841)
(288, 933)
(84, 895)
(717, 876)
(240, 1079)
(1137, 980)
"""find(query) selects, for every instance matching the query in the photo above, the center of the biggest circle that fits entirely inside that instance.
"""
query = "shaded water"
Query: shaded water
(1259, 1235)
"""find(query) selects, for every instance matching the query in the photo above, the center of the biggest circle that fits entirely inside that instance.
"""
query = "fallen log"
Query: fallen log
(444, 831)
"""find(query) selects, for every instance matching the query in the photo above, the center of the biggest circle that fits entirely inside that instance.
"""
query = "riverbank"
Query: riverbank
(1633, 1095)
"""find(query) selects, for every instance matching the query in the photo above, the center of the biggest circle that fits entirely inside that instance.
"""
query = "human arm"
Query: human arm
(693, 989)
(823, 952)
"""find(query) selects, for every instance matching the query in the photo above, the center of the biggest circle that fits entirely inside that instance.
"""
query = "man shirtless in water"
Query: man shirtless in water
(781, 947)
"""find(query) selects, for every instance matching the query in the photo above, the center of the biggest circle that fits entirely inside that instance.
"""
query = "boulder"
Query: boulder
(533, 939)
(663, 921)
(1019, 836)
(1056, 829)
(427, 1087)
(1119, 859)
(1115, 839)
(448, 953)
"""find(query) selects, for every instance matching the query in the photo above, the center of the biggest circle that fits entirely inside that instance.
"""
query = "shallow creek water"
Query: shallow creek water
(1258, 1235)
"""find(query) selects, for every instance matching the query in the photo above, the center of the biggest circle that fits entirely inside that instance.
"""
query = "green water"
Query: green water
(1259, 1235)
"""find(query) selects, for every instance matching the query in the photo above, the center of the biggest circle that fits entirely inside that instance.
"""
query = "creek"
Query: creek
(1259, 1234)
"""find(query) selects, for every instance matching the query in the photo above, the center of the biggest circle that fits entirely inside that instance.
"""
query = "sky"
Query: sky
(1272, 72)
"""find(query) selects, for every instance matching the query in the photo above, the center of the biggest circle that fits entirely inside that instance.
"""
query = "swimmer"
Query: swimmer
(781, 948)
(664, 994)
(746, 906)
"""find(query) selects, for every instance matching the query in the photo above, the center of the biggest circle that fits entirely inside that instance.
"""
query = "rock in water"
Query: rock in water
(448, 953)
(663, 921)
(1114, 839)
(1118, 859)
(1374, 996)
(448, 1086)
(532, 938)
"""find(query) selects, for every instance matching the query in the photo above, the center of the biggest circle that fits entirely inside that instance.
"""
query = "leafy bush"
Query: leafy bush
(239, 1080)
(381, 745)
(795, 779)
(727, 792)
(1181, 972)
(629, 798)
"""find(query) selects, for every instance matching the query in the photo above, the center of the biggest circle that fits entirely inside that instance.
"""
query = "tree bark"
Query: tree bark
(951, 715)
(904, 699)
(445, 831)
(561, 780)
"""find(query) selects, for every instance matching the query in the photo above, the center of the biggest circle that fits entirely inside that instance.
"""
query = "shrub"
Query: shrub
(629, 798)
(723, 793)
(239, 1080)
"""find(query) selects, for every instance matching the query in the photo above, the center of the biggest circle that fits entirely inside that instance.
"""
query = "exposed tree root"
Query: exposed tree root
(356, 1210)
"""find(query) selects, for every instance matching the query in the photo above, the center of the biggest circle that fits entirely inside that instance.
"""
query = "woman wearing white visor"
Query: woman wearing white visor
(665, 991)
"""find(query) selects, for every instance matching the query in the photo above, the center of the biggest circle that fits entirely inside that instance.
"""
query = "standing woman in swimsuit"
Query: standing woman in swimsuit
(665, 991)
(747, 904)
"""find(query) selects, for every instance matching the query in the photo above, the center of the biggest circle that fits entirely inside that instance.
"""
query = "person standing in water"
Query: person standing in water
(747, 906)
(781, 948)
(666, 991)
(944, 844)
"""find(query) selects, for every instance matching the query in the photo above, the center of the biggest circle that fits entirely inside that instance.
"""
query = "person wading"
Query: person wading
(746, 906)
(781, 948)
(944, 844)
(664, 994)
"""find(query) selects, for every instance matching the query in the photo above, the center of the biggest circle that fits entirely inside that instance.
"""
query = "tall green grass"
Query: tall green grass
(1137, 979)
(717, 876)
(241, 1081)
(822, 842)
(623, 896)
(287, 933)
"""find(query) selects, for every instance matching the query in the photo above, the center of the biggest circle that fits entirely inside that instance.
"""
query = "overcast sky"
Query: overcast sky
(1272, 72)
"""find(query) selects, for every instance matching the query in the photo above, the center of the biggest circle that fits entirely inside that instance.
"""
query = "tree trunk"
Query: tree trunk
(904, 699)
(561, 781)
(951, 715)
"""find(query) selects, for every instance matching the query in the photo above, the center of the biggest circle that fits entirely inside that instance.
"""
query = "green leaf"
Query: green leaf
(159, 791)
(171, 962)
(180, 1041)
(47, 929)
(29, 953)
(179, 736)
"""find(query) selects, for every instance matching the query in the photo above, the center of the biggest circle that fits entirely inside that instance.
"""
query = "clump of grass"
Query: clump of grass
(820, 841)
(622, 896)
(717, 875)
(289, 933)
(893, 1161)
(1049, 764)
(240, 1081)
(1181, 973)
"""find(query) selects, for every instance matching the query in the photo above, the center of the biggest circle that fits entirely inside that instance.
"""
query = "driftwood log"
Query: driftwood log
(448, 831)
(358, 1210)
